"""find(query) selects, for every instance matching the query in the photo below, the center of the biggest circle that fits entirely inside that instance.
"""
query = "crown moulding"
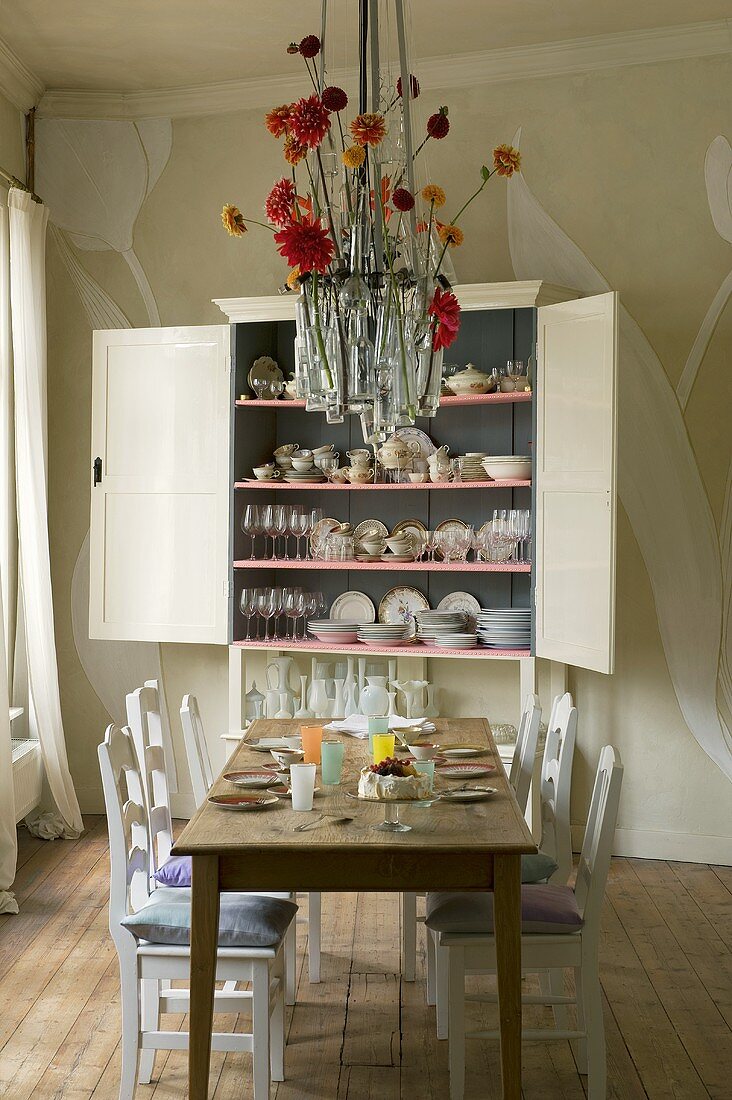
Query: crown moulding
(454, 71)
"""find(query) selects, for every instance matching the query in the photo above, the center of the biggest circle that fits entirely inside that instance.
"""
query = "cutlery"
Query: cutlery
(337, 819)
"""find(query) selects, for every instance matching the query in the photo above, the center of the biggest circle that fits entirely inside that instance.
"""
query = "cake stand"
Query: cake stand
(391, 822)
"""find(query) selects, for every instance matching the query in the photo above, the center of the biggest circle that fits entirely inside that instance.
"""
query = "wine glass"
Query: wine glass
(267, 605)
(279, 601)
(293, 605)
(269, 527)
(299, 521)
(314, 518)
(279, 523)
(251, 523)
(247, 606)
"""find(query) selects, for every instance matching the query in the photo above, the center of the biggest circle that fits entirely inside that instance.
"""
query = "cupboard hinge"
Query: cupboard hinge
(228, 588)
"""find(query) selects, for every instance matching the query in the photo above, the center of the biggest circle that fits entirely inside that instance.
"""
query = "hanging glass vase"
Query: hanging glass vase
(429, 376)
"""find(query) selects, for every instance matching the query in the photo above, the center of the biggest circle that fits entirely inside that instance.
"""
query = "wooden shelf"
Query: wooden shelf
(462, 399)
(327, 486)
(417, 650)
(408, 566)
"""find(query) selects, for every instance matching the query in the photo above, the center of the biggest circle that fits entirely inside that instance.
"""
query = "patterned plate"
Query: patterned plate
(322, 528)
(253, 778)
(399, 604)
(243, 801)
(466, 771)
(461, 601)
(413, 526)
(472, 794)
(426, 445)
(370, 525)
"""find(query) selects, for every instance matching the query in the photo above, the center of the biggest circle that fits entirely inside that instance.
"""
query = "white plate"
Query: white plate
(411, 526)
(462, 753)
(356, 607)
(322, 528)
(480, 794)
(264, 744)
(399, 604)
(426, 445)
(461, 601)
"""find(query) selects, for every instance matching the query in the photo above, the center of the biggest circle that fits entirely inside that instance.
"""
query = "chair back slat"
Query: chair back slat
(556, 784)
(165, 734)
(124, 800)
(524, 753)
(143, 715)
(602, 817)
(194, 737)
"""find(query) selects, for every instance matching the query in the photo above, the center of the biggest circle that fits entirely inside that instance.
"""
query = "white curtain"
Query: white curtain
(8, 836)
(28, 324)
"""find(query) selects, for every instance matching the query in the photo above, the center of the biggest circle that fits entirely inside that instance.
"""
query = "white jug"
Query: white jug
(319, 703)
(284, 668)
(374, 699)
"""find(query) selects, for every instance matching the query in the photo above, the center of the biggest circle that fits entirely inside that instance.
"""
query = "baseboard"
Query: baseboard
(654, 844)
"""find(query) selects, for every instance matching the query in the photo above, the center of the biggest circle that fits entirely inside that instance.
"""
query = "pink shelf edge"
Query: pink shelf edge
(326, 486)
(406, 650)
(413, 566)
(462, 399)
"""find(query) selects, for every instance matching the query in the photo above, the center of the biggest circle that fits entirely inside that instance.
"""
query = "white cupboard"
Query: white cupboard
(171, 446)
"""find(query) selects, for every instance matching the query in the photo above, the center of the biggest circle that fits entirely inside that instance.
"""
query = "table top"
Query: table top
(475, 829)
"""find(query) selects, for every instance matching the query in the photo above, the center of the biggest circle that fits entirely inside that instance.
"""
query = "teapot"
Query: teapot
(397, 452)
(471, 380)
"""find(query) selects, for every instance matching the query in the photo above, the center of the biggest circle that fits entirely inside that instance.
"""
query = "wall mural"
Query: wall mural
(96, 176)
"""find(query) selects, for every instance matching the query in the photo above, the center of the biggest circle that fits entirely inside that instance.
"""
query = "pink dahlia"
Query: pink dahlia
(279, 202)
(309, 121)
(305, 244)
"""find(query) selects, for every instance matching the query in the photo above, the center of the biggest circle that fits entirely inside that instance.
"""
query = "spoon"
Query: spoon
(337, 819)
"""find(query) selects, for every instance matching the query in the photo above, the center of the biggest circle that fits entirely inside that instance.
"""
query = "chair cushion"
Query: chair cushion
(545, 910)
(535, 868)
(245, 920)
(176, 871)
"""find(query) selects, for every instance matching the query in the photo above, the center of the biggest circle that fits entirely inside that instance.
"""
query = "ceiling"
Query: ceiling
(134, 45)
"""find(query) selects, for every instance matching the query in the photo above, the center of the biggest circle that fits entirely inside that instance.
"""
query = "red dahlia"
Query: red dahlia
(413, 86)
(403, 200)
(445, 308)
(306, 245)
(309, 121)
(334, 98)
(310, 46)
(277, 120)
(438, 124)
(279, 202)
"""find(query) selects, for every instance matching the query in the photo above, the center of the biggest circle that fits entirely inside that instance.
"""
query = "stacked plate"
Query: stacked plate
(473, 466)
(337, 631)
(383, 634)
(505, 627)
(430, 624)
(310, 475)
(456, 641)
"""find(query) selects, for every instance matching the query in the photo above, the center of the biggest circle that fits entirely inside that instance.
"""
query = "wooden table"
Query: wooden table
(473, 846)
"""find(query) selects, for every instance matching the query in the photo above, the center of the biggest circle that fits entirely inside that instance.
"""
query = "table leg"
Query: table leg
(507, 917)
(204, 940)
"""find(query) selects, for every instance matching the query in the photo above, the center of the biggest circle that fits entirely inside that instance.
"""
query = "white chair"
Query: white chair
(202, 778)
(560, 930)
(145, 963)
(522, 766)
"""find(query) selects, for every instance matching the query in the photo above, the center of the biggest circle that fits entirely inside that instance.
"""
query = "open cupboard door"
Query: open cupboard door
(576, 443)
(161, 484)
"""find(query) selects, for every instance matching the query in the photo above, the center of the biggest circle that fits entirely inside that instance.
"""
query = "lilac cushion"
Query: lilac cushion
(545, 910)
(176, 871)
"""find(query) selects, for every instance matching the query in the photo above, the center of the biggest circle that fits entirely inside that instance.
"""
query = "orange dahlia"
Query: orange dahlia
(305, 244)
(309, 121)
(277, 120)
(368, 129)
(434, 194)
(233, 220)
(506, 160)
(354, 156)
(451, 235)
(293, 150)
(279, 202)
(293, 279)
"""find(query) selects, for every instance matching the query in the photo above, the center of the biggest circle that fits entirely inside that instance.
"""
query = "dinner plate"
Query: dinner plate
(356, 607)
(264, 744)
(254, 778)
(427, 446)
(475, 794)
(412, 526)
(461, 601)
(466, 771)
(243, 801)
(282, 790)
(322, 528)
(399, 604)
(462, 752)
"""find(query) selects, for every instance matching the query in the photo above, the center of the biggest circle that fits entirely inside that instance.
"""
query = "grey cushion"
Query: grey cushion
(538, 867)
(245, 920)
(545, 910)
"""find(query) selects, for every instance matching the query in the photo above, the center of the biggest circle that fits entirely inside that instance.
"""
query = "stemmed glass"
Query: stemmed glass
(279, 598)
(248, 607)
(314, 517)
(430, 544)
(279, 523)
(251, 523)
(299, 522)
(293, 604)
(269, 528)
(267, 602)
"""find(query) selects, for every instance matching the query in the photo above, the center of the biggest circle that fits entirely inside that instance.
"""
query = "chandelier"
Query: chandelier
(369, 253)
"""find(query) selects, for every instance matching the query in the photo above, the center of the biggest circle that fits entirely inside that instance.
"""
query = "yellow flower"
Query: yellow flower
(293, 279)
(233, 220)
(450, 234)
(433, 193)
(506, 160)
(354, 156)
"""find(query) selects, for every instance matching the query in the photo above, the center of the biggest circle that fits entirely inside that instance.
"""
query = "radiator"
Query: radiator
(27, 776)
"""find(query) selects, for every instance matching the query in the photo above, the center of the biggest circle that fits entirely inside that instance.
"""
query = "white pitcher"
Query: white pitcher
(319, 703)
(284, 668)
(374, 699)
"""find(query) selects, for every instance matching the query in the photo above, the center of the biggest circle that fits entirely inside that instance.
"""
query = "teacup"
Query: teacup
(286, 449)
(304, 452)
(284, 462)
(326, 447)
(358, 474)
(294, 743)
(302, 464)
(423, 752)
(418, 477)
(266, 473)
(340, 475)
(285, 757)
(440, 473)
(322, 458)
(360, 457)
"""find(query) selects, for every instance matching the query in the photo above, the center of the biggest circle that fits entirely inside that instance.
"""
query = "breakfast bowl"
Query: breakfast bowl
(285, 757)
(302, 464)
(426, 751)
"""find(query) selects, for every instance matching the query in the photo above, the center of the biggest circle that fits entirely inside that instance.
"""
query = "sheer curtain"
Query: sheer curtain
(28, 325)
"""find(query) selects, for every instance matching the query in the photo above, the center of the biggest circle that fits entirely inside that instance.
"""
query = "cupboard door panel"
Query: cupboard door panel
(576, 439)
(161, 419)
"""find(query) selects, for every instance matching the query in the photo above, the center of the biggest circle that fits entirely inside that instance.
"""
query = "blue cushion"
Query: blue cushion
(534, 868)
(245, 920)
(545, 909)
(176, 871)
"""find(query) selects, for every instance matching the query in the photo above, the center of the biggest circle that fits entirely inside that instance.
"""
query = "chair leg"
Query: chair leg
(551, 983)
(441, 989)
(150, 1022)
(260, 1029)
(314, 907)
(277, 1021)
(456, 1012)
(290, 950)
(581, 1044)
(431, 969)
(595, 1027)
(130, 998)
(409, 936)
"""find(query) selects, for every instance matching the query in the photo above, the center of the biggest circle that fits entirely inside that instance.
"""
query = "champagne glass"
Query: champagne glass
(251, 523)
(299, 521)
(267, 605)
(279, 523)
(269, 527)
(247, 606)
(279, 598)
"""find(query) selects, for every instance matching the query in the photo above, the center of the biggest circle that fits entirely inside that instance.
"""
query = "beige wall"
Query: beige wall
(616, 158)
(12, 154)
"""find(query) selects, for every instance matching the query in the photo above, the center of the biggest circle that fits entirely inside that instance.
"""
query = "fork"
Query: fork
(337, 820)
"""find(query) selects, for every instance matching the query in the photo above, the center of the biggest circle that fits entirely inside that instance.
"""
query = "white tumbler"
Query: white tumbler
(302, 782)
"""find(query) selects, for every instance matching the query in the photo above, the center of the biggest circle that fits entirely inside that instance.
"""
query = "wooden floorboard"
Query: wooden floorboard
(362, 1033)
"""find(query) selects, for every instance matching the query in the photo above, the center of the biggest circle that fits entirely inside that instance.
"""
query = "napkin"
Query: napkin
(358, 725)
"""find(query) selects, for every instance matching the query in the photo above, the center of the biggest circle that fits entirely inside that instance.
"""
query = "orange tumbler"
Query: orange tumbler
(312, 737)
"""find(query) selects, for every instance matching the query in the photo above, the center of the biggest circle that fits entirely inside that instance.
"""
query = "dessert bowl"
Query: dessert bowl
(426, 751)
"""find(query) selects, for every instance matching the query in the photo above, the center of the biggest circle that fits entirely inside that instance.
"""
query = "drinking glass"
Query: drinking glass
(526, 536)
(251, 523)
(312, 737)
(302, 785)
(430, 543)
(329, 466)
(279, 599)
(518, 374)
(298, 527)
(383, 746)
(294, 599)
(269, 528)
(458, 465)
(331, 756)
(248, 606)
(427, 767)
(280, 522)
(507, 383)
(314, 518)
(267, 605)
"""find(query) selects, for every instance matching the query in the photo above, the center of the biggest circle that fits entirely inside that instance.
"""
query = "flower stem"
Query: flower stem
(319, 330)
